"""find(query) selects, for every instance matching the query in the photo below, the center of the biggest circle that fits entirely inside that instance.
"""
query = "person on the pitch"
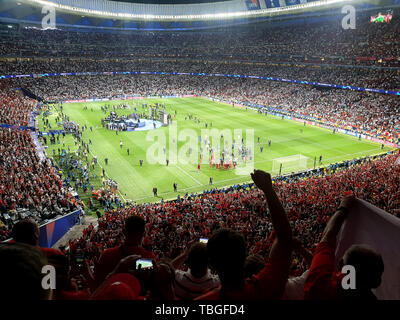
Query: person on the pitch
(175, 187)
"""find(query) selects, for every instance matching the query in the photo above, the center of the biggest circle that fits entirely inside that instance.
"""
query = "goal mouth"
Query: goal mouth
(289, 164)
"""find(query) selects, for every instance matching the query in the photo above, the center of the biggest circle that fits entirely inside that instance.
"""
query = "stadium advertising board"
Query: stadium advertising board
(351, 133)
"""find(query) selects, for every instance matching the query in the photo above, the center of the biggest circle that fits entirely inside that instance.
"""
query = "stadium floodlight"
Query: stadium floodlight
(188, 17)
(294, 163)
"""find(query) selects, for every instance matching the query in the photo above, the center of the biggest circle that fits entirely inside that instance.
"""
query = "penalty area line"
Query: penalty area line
(188, 174)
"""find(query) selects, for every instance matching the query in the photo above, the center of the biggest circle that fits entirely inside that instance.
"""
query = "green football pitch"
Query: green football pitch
(288, 138)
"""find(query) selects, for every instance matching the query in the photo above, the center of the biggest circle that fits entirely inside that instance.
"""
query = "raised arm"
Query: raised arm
(274, 276)
(180, 260)
(336, 221)
(282, 246)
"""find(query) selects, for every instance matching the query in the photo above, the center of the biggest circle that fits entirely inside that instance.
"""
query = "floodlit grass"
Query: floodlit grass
(136, 183)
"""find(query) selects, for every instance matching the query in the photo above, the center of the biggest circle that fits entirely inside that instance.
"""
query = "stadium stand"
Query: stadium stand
(31, 187)
(311, 42)
(169, 225)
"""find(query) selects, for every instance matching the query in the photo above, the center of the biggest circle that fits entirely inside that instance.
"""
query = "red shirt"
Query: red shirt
(111, 257)
(73, 295)
(322, 279)
(268, 284)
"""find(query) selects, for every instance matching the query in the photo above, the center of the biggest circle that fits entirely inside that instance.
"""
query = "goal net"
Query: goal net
(294, 163)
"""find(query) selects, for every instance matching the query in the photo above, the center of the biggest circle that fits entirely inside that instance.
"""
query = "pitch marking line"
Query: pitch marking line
(188, 174)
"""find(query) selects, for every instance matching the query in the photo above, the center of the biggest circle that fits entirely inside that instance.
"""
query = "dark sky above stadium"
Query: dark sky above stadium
(169, 1)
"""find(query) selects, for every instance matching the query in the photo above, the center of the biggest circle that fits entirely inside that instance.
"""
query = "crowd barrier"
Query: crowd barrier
(14, 127)
(54, 230)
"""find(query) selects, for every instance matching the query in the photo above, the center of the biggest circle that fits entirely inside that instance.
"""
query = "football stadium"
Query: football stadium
(201, 150)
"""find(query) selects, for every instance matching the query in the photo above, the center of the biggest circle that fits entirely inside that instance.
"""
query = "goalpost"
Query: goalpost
(289, 164)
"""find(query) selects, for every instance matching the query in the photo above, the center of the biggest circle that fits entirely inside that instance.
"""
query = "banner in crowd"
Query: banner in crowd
(369, 225)
(54, 230)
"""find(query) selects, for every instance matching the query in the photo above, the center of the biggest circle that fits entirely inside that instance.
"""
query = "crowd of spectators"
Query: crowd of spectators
(312, 41)
(319, 52)
(309, 202)
(256, 243)
(29, 185)
(387, 79)
(15, 109)
(171, 225)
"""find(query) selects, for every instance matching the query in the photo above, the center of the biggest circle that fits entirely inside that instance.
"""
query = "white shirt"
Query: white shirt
(188, 287)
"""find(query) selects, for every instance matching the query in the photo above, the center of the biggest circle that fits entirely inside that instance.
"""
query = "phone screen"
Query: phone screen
(145, 263)
(79, 259)
(203, 240)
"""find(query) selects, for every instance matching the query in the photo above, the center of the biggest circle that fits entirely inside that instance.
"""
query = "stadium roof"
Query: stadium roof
(232, 9)
(169, 1)
(111, 16)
